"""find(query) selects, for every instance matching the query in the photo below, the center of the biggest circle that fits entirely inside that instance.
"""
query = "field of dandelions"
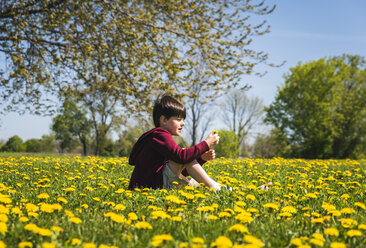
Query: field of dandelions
(59, 201)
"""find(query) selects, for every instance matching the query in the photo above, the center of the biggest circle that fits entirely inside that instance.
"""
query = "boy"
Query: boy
(159, 161)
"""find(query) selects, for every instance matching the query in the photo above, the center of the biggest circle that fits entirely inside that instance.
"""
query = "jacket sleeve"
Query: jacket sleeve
(164, 143)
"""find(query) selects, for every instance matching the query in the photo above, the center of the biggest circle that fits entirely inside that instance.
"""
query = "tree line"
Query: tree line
(105, 62)
(319, 112)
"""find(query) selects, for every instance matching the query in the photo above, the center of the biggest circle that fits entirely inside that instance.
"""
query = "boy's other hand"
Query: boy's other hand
(209, 155)
(212, 139)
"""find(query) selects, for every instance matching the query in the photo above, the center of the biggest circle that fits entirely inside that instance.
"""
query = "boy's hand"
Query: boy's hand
(209, 155)
(212, 139)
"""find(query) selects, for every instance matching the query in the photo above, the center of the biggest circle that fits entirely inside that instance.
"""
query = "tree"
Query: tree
(229, 144)
(71, 123)
(135, 48)
(48, 143)
(321, 108)
(33, 145)
(14, 144)
(241, 113)
(270, 145)
(198, 120)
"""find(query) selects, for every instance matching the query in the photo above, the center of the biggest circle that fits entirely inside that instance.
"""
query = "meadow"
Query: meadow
(65, 201)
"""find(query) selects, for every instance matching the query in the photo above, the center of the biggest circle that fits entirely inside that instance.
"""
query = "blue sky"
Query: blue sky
(301, 31)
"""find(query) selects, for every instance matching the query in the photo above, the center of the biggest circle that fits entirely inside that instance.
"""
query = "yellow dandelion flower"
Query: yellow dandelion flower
(16, 210)
(240, 203)
(44, 232)
(23, 219)
(337, 245)
(362, 227)
(289, 209)
(3, 218)
(32, 214)
(251, 186)
(199, 195)
(285, 214)
(177, 218)
(160, 214)
(296, 241)
(212, 217)
(89, 245)
(244, 217)
(75, 241)
(224, 215)
(273, 206)
(25, 244)
(250, 197)
(253, 240)
(69, 213)
(48, 245)
(348, 222)
(335, 213)
(222, 242)
(75, 220)
(198, 240)
(185, 245)
(331, 232)
(317, 242)
(57, 229)
(360, 205)
(119, 191)
(119, 207)
(143, 225)
(238, 228)
(328, 207)
(43, 196)
(175, 199)
(118, 218)
(311, 195)
(345, 196)
(348, 211)
(5, 199)
(107, 246)
(31, 207)
(159, 240)
(252, 210)
(353, 233)
(3, 228)
(318, 236)
(133, 216)
(62, 199)
(215, 132)
(2, 244)
(317, 220)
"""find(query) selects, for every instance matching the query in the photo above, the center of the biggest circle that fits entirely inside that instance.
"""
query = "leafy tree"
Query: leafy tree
(321, 108)
(33, 145)
(71, 123)
(14, 144)
(48, 143)
(270, 145)
(132, 48)
(241, 113)
(229, 144)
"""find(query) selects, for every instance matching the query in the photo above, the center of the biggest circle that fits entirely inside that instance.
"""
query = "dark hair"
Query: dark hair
(167, 106)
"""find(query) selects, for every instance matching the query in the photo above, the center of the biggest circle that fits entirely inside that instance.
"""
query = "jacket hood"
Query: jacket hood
(139, 145)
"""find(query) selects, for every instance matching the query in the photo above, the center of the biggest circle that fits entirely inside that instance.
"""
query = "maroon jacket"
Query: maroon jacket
(150, 153)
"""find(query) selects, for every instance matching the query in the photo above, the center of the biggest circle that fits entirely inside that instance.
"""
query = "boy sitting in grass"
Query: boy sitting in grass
(159, 161)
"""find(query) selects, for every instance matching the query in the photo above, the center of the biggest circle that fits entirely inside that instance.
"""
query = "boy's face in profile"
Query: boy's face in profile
(173, 124)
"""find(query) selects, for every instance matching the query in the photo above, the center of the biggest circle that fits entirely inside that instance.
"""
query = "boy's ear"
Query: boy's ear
(162, 119)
